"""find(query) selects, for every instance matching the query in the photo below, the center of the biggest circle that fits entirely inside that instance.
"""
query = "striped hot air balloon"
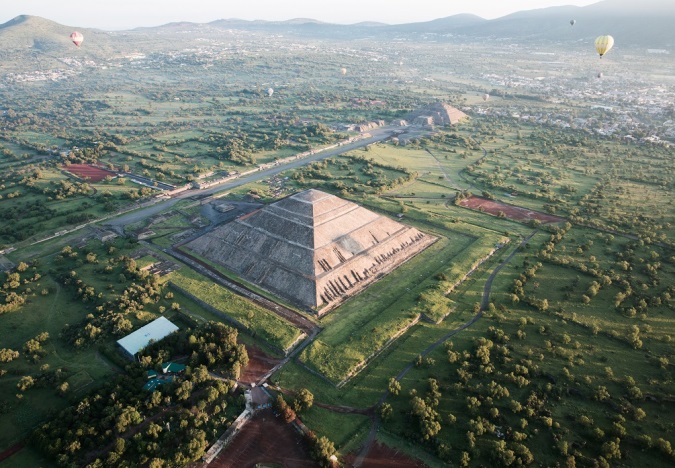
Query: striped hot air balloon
(77, 38)
(603, 44)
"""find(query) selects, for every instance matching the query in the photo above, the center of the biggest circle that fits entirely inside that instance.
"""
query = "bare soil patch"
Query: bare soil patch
(510, 211)
(381, 456)
(259, 364)
(85, 171)
(265, 439)
(11, 451)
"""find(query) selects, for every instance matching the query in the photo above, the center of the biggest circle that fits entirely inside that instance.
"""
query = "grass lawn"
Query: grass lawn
(261, 322)
(346, 431)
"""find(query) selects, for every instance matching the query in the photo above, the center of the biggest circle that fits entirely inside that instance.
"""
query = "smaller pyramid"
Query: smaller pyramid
(439, 114)
(312, 248)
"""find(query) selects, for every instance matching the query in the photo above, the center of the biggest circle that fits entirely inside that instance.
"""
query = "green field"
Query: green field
(45, 313)
(560, 342)
(260, 322)
(347, 431)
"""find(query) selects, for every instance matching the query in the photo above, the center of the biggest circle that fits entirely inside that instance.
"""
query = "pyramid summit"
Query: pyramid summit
(312, 248)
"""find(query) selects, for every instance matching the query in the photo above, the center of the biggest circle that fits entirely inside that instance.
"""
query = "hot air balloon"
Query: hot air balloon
(486, 96)
(343, 71)
(270, 91)
(603, 44)
(573, 22)
(77, 38)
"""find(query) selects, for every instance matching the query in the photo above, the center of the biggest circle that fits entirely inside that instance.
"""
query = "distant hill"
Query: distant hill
(643, 24)
(441, 25)
(41, 35)
(646, 23)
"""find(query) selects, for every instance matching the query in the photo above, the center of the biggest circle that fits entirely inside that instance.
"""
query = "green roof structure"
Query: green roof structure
(172, 367)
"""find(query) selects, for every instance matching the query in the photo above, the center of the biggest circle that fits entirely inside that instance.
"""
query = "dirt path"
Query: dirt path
(453, 185)
(11, 451)
(358, 462)
(347, 409)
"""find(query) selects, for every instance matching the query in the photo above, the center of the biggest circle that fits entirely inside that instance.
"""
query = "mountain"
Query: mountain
(647, 23)
(644, 24)
(41, 35)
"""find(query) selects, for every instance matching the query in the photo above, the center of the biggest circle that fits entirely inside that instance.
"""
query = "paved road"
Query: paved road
(378, 134)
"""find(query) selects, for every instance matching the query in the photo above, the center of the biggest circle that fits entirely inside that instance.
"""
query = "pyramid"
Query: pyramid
(312, 248)
(439, 113)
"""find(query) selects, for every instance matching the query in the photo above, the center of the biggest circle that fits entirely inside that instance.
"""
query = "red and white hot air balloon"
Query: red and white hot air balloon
(77, 38)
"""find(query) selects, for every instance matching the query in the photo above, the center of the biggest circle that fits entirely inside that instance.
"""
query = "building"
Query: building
(312, 248)
(149, 333)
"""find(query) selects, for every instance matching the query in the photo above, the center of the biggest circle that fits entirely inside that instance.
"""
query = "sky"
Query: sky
(129, 14)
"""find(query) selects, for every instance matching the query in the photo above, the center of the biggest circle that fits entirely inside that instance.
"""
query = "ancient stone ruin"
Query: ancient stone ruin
(439, 114)
(312, 248)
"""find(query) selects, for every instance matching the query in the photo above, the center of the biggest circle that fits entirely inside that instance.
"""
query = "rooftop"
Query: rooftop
(153, 331)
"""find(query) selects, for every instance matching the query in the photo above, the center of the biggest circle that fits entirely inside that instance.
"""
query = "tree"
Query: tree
(428, 418)
(303, 400)
(129, 416)
(25, 383)
(322, 449)
(63, 388)
(284, 410)
(394, 386)
(184, 390)
(8, 355)
(385, 410)
(612, 449)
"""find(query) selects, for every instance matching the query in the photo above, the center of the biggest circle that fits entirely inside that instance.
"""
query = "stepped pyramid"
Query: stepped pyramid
(438, 113)
(312, 248)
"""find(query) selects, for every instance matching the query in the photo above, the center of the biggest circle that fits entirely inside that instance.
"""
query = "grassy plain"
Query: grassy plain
(44, 313)
(262, 323)
(347, 431)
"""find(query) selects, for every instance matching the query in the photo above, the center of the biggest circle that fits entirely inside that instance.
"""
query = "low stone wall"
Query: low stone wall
(478, 263)
(362, 365)
(226, 438)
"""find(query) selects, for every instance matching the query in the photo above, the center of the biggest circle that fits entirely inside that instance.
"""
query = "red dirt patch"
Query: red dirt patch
(259, 364)
(85, 171)
(11, 451)
(512, 212)
(381, 456)
(265, 439)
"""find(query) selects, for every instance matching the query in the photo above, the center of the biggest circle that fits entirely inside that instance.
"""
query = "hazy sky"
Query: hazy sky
(127, 14)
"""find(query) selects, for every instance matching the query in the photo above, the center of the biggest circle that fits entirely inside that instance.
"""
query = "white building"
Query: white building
(151, 332)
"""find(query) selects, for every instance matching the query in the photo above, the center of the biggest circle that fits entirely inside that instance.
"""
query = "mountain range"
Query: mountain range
(644, 24)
